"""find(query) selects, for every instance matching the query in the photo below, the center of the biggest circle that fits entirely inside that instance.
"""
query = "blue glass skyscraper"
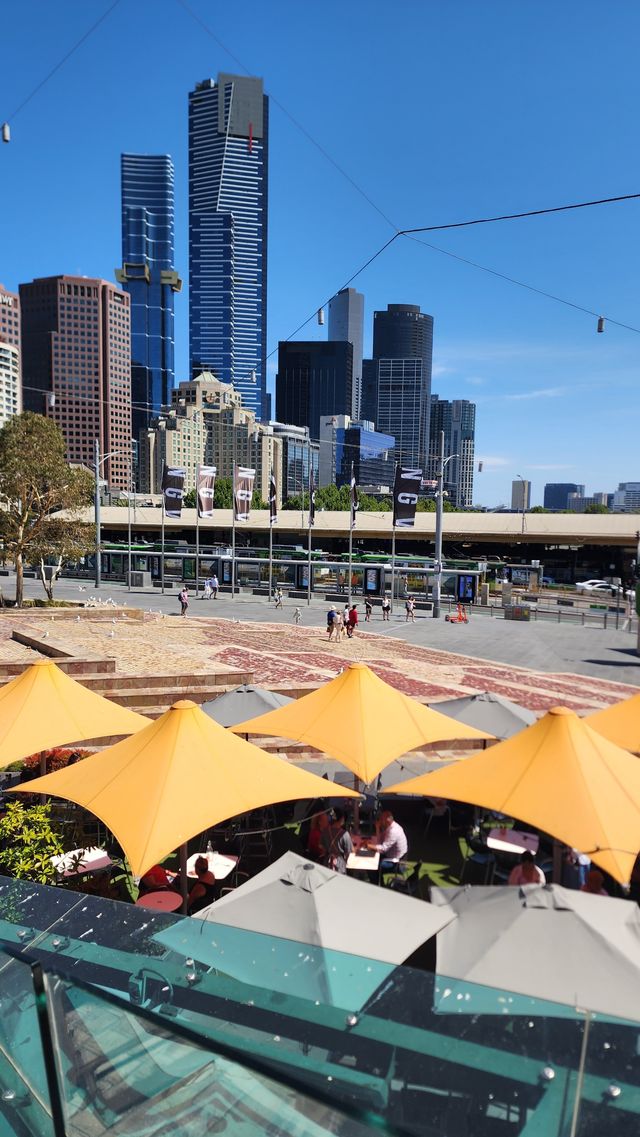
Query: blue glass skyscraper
(149, 276)
(228, 164)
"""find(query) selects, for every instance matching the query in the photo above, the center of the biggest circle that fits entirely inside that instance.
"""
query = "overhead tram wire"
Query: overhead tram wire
(298, 125)
(410, 233)
(520, 283)
(61, 63)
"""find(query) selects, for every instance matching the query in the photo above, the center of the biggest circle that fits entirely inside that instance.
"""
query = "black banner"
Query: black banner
(312, 495)
(172, 490)
(243, 492)
(205, 490)
(406, 489)
(273, 499)
(355, 505)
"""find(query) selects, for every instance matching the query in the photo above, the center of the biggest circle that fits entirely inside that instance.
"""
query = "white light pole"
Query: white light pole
(437, 584)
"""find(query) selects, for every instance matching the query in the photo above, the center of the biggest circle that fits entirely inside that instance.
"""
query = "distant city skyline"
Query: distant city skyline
(554, 399)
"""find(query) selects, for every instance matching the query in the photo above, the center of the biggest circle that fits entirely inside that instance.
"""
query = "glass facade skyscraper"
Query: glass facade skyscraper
(228, 166)
(396, 383)
(148, 275)
(457, 418)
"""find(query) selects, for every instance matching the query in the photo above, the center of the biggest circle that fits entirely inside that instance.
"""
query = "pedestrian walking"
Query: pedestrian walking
(410, 609)
(353, 621)
(297, 616)
(386, 607)
(345, 615)
(368, 609)
(215, 586)
(206, 590)
(337, 627)
(278, 597)
(340, 582)
(183, 597)
(331, 615)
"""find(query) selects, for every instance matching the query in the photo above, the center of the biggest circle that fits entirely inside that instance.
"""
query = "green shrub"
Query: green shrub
(28, 840)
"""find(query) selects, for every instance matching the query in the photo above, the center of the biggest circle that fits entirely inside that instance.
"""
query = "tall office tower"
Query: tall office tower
(457, 418)
(76, 367)
(396, 383)
(370, 454)
(10, 374)
(556, 494)
(521, 495)
(346, 322)
(228, 167)
(149, 277)
(314, 379)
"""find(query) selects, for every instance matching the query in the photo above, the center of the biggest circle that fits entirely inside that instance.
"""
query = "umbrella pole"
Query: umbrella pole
(184, 884)
(580, 1080)
(356, 805)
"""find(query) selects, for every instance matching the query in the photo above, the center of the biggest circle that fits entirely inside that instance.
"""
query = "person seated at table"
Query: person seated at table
(155, 879)
(527, 872)
(203, 892)
(391, 842)
(594, 884)
(317, 841)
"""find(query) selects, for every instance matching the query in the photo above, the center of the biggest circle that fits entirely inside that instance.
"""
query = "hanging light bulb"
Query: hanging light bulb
(321, 316)
(600, 323)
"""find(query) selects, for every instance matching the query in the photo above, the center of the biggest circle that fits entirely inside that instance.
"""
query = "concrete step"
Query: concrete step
(120, 682)
(140, 699)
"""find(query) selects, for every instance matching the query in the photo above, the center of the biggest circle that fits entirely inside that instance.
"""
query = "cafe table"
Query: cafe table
(220, 864)
(80, 861)
(165, 901)
(360, 860)
(512, 841)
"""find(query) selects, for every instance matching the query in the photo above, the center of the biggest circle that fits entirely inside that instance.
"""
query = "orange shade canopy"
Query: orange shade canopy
(176, 778)
(43, 707)
(619, 723)
(360, 720)
(560, 776)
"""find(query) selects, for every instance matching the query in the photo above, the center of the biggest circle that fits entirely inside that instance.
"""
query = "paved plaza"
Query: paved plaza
(538, 665)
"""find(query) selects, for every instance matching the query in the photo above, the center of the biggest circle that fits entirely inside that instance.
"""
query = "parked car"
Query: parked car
(596, 586)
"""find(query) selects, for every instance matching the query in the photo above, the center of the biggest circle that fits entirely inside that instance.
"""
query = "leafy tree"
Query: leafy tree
(189, 499)
(28, 840)
(596, 507)
(538, 509)
(35, 482)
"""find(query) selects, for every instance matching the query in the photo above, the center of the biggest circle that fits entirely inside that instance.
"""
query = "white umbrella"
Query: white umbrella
(322, 935)
(540, 942)
(489, 712)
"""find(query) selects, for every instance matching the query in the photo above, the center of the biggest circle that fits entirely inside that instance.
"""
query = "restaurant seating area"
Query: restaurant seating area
(197, 914)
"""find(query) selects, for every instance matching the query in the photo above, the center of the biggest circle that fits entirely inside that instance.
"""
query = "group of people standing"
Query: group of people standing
(339, 623)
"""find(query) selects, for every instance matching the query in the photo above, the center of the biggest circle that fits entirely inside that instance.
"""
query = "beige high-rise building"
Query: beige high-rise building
(10, 362)
(207, 424)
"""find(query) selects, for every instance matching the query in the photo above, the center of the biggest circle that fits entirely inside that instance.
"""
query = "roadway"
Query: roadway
(542, 645)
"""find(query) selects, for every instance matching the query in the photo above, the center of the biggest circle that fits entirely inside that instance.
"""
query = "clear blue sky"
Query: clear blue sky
(440, 111)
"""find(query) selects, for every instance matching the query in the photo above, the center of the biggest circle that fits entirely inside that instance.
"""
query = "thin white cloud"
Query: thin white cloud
(475, 381)
(439, 369)
(493, 461)
(539, 393)
(552, 466)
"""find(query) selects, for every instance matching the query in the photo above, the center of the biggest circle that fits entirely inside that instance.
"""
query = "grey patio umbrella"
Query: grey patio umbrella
(488, 712)
(540, 942)
(316, 934)
(244, 702)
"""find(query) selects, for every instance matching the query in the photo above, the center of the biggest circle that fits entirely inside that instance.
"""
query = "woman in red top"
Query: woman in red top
(318, 839)
(353, 620)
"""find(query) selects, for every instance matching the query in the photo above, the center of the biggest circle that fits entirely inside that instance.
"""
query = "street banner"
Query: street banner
(172, 490)
(354, 497)
(312, 496)
(406, 490)
(273, 499)
(243, 492)
(205, 490)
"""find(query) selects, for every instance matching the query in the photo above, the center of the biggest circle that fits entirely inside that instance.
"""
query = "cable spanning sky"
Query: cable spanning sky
(445, 112)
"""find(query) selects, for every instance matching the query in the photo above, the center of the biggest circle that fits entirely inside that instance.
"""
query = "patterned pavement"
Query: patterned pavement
(286, 655)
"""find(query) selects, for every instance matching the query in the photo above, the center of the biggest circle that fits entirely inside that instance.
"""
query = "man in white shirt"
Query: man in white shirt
(391, 842)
